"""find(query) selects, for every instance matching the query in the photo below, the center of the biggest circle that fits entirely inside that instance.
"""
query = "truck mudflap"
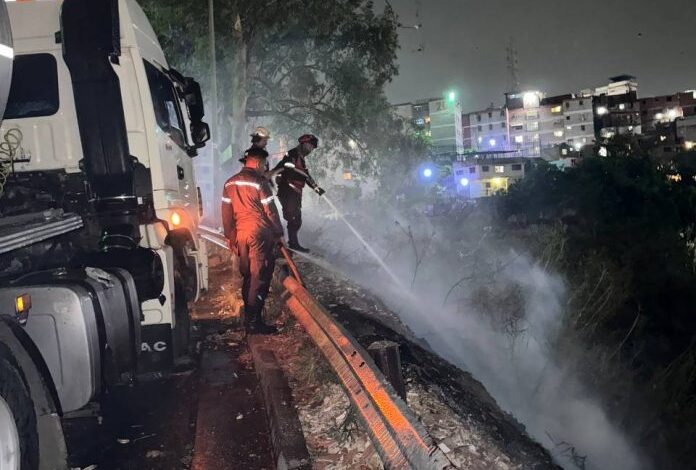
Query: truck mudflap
(86, 325)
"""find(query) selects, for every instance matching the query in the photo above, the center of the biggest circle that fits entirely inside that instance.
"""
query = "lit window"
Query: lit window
(556, 109)
(569, 127)
(564, 151)
(601, 111)
(480, 139)
(519, 139)
(491, 142)
(532, 126)
(622, 106)
(500, 168)
(558, 133)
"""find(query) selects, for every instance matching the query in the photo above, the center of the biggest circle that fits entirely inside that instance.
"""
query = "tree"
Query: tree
(306, 65)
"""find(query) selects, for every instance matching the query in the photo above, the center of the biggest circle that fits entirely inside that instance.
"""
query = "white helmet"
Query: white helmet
(262, 133)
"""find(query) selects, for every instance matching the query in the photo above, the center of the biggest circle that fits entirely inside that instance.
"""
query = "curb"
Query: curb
(288, 442)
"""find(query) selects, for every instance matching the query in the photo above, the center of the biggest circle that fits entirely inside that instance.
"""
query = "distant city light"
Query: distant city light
(464, 181)
(491, 142)
(427, 172)
(601, 111)
(530, 99)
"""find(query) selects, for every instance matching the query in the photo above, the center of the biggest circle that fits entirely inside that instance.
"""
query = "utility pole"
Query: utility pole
(215, 156)
(513, 67)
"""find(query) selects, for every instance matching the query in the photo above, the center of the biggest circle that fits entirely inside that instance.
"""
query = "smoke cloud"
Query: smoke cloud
(486, 307)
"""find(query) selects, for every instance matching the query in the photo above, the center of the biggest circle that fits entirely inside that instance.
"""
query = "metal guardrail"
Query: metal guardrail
(212, 235)
(400, 439)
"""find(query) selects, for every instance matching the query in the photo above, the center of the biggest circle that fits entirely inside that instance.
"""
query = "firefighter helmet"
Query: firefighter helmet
(261, 133)
(254, 153)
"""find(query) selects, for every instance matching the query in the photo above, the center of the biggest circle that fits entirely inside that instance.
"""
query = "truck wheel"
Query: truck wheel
(19, 438)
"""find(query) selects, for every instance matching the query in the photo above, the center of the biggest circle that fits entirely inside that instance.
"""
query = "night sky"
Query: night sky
(563, 46)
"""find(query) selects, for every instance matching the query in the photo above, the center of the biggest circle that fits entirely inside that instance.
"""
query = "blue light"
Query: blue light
(464, 181)
(428, 172)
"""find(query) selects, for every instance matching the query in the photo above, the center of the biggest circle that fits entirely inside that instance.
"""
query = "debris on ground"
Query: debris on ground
(456, 410)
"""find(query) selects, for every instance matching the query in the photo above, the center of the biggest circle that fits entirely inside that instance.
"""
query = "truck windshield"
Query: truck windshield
(34, 89)
(166, 104)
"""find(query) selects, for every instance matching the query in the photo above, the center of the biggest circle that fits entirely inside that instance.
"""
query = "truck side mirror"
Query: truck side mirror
(200, 133)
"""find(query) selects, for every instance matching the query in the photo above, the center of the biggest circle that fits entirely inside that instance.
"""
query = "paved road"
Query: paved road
(208, 417)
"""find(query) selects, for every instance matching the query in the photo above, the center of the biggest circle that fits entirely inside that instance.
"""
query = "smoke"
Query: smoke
(485, 307)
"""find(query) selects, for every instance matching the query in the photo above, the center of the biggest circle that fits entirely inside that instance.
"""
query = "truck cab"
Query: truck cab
(52, 111)
(99, 206)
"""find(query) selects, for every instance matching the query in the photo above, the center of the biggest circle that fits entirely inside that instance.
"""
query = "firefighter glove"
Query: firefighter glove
(320, 191)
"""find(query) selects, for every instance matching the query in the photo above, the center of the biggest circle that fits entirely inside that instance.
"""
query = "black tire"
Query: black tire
(15, 393)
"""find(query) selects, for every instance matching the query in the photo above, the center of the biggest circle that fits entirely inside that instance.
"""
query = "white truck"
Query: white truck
(99, 212)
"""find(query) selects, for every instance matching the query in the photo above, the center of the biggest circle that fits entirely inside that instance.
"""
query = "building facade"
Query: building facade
(477, 177)
(439, 119)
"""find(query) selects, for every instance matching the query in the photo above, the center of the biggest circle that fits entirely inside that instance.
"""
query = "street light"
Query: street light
(464, 182)
(427, 172)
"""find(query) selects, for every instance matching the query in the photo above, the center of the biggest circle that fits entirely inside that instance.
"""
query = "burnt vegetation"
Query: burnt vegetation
(621, 230)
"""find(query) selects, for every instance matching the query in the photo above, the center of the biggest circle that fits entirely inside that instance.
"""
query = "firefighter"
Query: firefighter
(253, 229)
(291, 182)
(259, 139)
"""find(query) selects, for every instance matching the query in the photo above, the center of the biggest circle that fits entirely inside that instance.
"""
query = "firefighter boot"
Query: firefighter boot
(256, 325)
(293, 243)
